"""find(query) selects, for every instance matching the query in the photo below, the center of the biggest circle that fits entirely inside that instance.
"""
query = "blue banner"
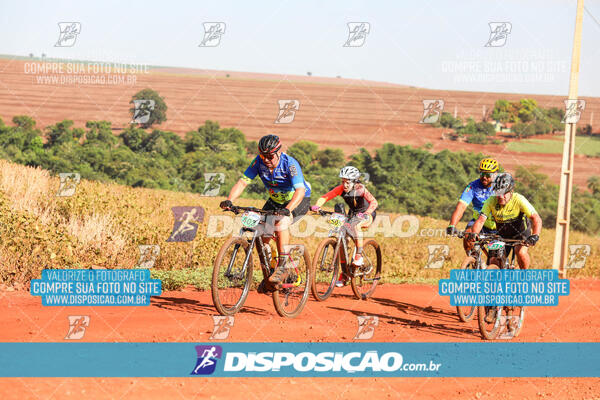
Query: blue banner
(299, 359)
(495, 287)
(100, 287)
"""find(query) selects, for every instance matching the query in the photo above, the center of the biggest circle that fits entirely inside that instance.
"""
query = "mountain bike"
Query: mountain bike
(332, 254)
(472, 261)
(508, 320)
(233, 267)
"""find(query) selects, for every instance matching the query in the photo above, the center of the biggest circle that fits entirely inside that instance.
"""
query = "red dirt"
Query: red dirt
(407, 313)
(333, 112)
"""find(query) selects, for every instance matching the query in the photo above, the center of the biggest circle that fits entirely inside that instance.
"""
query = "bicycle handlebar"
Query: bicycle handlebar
(239, 209)
(487, 237)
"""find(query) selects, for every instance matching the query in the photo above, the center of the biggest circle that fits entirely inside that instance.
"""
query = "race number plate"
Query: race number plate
(250, 219)
(337, 220)
(496, 245)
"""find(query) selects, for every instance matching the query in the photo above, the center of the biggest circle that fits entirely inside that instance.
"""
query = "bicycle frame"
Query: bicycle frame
(342, 233)
(253, 242)
(258, 233)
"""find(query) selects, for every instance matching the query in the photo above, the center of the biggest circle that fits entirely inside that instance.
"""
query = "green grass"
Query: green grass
(585, 145)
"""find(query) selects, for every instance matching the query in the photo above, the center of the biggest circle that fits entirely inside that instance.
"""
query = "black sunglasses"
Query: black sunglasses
(268, 156)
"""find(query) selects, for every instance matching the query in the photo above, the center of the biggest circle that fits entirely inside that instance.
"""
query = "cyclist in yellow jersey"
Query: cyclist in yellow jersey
(515, 217)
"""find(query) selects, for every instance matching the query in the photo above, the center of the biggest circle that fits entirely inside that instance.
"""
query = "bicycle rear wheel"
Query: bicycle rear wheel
(230, 281)
(466, 313)
(326, 268)
(290, 299)
(365, 277)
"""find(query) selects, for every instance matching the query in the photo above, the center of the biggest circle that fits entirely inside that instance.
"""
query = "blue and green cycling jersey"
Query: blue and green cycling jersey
(477, 194)
(283, 182)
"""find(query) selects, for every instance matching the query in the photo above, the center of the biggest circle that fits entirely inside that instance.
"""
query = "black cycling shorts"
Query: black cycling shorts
(298, 212)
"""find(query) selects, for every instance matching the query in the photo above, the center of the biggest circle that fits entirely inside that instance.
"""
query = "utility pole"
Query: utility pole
(563, 213)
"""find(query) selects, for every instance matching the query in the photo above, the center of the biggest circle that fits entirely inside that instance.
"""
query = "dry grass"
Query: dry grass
(103, 224)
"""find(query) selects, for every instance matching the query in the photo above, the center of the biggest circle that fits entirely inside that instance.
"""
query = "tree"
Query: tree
(24, 122)
(159, 114)
(303, 151)
(526, 110)
(593, 184)
(100, 131)
(134, 138)
(502, 111)
(329, 158)
(60, 133)
(485, 128)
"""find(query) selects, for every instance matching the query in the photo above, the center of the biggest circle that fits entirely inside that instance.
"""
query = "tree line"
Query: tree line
(404, 179)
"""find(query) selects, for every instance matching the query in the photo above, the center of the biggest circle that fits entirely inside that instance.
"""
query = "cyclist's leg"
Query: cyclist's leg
(270, 205)
(358, 231)
(282, 225)
(523, 256)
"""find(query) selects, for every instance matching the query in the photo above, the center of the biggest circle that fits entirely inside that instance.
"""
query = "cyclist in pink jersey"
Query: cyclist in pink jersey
(362, 206)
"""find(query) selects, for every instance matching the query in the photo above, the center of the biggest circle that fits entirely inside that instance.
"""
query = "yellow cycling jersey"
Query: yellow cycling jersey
(511, 217)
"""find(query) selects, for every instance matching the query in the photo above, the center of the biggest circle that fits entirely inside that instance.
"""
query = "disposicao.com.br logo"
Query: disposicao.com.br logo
(317, 363)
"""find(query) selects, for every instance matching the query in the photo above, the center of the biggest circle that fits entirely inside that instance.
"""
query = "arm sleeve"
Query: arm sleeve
(372, 202)
(251, 171)
(467, 195)
(330, 195)
(296, 174)
(526, 207)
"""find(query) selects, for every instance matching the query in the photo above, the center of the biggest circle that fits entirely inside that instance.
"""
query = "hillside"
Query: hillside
(103, 224)
(343, 113)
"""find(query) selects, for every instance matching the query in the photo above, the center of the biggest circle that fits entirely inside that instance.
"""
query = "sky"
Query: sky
(431, 44)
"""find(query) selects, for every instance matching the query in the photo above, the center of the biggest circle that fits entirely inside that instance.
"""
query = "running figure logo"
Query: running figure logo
(68, 184)
(222, 326)
(148, 255)
(77, 326)
(357, 34)
(213, 182)
(511, 326)
(68, 34)
(287, 111)
(142, 110)
(574, 109)
(207, 359)
(578, 254)
(432, 111)
(499, 32)
(437, 255)
(186, 223)
(366, 326)
(212, 34)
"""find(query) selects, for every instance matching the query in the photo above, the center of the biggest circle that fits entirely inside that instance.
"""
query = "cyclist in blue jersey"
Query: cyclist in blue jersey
(476, 192)
(289, 194)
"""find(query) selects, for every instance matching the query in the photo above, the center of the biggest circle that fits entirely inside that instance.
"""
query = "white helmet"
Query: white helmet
(349, 172)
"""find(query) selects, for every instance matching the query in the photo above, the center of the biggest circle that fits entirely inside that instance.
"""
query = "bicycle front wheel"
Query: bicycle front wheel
(291, 297)
(326, 268)
(466, 313)
(489, 318)
(231, 278)
(366, 277)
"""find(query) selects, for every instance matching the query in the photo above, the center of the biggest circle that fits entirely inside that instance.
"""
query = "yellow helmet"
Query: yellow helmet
(488, 165)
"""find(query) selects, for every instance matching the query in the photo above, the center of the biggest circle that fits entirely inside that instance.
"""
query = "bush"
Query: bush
(477, 138)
